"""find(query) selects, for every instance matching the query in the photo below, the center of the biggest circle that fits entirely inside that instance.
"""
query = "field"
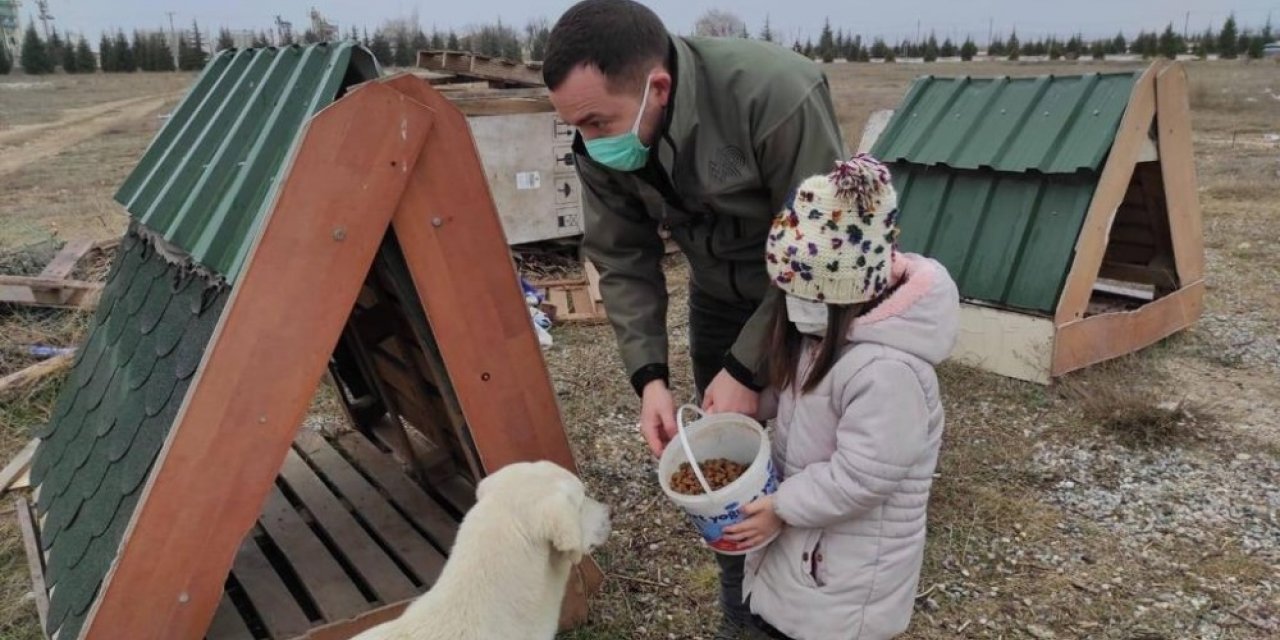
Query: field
(1138, 499)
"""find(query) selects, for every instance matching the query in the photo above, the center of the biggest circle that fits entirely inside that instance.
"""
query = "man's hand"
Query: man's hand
(761, 524)
(727, 395)
(657, 416)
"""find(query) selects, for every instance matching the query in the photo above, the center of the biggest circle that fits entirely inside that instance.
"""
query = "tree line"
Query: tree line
(1229, 42)
(117, 53)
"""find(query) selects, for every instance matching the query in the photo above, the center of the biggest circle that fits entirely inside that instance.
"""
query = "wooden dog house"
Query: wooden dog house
(295, 214)
(1064, 206)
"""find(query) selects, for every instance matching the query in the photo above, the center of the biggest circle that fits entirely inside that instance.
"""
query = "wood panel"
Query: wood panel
(64, 263)
(35, 558)
(240, 415)
(1177, 164)
(49, 292)
(1091, 245)
(1011, 344)
(227, 623)
(1098, 338)
(457, 253)
(362, 552)
(425, 512)
(333, 592)
(271, 599)
(347, 628)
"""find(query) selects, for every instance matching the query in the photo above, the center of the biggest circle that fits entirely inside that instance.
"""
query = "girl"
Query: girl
(858, 411)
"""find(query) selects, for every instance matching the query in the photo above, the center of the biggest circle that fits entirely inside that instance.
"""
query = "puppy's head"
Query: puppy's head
(551, 505)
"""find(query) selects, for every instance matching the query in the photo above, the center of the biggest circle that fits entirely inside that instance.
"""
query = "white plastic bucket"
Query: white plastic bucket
(731, 436)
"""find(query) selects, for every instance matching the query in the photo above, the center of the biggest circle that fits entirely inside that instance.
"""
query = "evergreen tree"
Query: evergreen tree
(141, 53)
(310, 36)
(1054, 49)
(260, 40)
(162, 54)
(890, 55)
(808, 49)
(1254, 46)
(1171, 44)
(403, 49)
(826, 43)
(1229, 39)
(68, 58)
(995, 48)
(85, 62)
(126, 57)
(452, 44)
(57, 50)
(766, 34)
(6, 63)
(419, 43)
(1075, 47)
(196, 56)
(879, 49)
(437, 40)
(225, 40)
(1119, 46)
(36, 60)
(106, 56)
(948, 49)
(537, 35)
(1013, 48)
(968, 50)
(930, 51)
(381, 49)
(1099, 49)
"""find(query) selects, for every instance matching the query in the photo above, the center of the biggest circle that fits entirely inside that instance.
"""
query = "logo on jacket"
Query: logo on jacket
(728, 163)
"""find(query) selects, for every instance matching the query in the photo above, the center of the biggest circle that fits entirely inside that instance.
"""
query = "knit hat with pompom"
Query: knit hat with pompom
(834, 242)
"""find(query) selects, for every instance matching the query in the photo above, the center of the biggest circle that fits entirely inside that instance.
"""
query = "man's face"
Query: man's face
(586, 101)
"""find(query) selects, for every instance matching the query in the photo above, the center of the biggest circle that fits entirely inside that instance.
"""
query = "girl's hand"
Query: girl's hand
(761, 524)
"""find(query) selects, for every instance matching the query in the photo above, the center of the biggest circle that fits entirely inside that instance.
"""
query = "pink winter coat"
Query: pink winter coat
(857, 456)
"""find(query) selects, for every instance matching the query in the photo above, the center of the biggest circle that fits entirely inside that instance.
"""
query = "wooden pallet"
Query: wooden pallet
(496, 71)
(344, 541)
(53, 288)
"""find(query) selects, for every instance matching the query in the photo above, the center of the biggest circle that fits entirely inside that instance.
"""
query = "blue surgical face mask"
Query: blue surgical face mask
(623, 152)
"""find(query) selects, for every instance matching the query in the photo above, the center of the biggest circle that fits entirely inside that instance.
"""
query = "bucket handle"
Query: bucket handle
(688, 450)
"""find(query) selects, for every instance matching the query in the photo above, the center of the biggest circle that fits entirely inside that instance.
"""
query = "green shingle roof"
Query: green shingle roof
(995, 175)
(111, 417)
(209, 176)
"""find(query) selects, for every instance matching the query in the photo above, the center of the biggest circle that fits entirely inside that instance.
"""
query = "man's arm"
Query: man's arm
(805, 143)
(623, 243)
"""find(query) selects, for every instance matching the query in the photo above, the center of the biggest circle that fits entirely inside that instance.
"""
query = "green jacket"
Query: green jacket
(747, 122)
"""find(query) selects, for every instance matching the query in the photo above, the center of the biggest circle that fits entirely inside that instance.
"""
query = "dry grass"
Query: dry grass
(994, 531)
(55, 97)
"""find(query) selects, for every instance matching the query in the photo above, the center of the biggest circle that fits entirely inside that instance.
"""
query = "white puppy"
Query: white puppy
(506, 575)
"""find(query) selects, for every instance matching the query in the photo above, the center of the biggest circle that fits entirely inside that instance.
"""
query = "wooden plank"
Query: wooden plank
(280, 613)
(1161, 278)
(35, 559)
(413, 550)
(106, 245)
(66, 259)
(35, 372)
(585, 579)
(1007, 343)
(50, 292)
(227, 623)
(472, 65)
(582, 303)
(1091, 245)
(593, 280)
(17, 466)
(454, 245)
(346, 629)
(1177, 164)
(412, 500)
(1098, 338)
(460, 494)
(242, 410)
(363, 554)
(328, 585)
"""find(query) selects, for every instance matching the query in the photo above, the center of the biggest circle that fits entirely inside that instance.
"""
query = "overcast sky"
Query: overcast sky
(893, 20)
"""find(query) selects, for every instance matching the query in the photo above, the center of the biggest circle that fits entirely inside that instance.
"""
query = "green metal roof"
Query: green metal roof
(209, 176)
(995, 175)
(1050, 124)
(112, 416)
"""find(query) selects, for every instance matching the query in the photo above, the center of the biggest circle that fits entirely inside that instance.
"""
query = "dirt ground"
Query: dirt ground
(1136, 500)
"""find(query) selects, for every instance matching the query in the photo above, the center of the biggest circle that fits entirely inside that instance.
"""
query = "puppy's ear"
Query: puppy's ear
(562, 522)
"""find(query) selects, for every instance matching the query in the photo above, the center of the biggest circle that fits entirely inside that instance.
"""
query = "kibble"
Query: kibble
(720, 472)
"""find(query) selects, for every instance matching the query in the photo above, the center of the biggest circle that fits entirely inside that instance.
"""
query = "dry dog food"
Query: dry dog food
(719, 472)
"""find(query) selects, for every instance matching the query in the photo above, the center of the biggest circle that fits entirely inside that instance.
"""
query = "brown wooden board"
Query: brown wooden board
(362, 552)
(36, 372)
(426, 513)
(348, 628)
(17, 466)
(396, 533)
(35, 559)
(333, 592)
(456, 251)
(227, 623)
(1091, 245)
(471, 65)
(275, 606)
(1177, 163)
(49, 292)
(242, 411)
(1087, 342)
(64, 263)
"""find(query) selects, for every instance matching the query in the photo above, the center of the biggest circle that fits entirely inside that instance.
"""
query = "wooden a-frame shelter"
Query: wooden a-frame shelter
(178, 493)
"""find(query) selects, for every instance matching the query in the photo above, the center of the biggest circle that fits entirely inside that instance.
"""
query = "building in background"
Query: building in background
(10, 29)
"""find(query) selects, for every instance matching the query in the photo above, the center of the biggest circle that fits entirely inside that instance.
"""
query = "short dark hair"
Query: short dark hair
(621, 38)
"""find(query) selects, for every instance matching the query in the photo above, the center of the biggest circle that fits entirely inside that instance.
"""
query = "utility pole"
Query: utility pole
(44, 16)
(1186, 21)
(991, 31)
(173, 40)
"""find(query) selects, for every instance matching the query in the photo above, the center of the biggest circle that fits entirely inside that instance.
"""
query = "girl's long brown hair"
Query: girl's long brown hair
(783, 343)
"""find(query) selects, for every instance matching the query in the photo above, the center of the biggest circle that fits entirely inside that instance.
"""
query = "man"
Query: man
(706, 138)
